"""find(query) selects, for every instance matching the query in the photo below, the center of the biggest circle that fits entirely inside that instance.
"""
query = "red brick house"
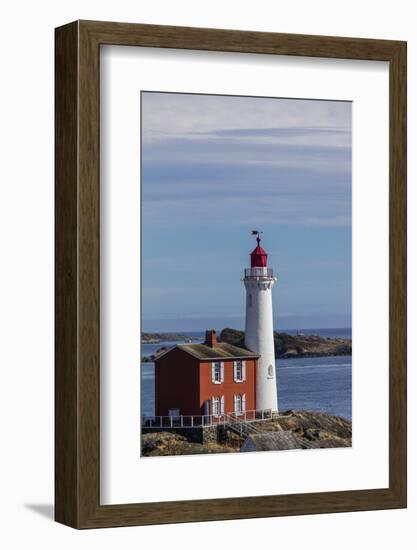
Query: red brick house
(211, 379)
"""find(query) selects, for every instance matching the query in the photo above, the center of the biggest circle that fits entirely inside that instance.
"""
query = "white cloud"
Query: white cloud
(190, 116)
(215, 158)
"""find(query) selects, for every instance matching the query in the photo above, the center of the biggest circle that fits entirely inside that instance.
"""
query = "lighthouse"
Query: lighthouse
(259, 329)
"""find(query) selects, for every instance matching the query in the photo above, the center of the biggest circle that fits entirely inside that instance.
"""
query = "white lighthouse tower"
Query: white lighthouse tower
(259, 331)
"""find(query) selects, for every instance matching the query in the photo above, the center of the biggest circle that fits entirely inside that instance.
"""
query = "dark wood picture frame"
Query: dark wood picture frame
(77, 373)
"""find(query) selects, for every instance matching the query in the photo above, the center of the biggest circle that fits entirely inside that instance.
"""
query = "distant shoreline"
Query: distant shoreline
(287, 346)
(158, 337)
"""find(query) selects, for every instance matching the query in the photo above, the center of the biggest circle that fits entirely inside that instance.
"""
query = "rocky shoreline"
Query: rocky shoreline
(289, 346)
(158, 337)
(290, 430)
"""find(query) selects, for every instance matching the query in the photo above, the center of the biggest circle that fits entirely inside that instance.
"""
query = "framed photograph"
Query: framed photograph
(230, 274)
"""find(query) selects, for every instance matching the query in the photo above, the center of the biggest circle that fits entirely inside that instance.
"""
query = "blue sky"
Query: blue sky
(215, 167)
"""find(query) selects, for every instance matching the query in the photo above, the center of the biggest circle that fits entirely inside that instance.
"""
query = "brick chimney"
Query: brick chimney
(211, 338)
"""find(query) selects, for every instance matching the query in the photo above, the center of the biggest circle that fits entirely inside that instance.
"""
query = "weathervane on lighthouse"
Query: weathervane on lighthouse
(259, 329)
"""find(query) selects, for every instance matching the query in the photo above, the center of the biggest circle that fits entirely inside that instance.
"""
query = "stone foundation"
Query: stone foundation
(206, 434)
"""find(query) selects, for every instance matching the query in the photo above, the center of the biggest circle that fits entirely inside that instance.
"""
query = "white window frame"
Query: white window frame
(215, 365)
(216, 406)
(271, 371)
(243, 371)
(242, 408)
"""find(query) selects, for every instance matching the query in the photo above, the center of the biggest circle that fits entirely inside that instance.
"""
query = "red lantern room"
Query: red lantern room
(258, 257)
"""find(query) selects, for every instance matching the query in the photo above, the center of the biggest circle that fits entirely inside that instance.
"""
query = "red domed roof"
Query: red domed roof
(258, 257)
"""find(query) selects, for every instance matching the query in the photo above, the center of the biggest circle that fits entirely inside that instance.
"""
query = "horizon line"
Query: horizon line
(284, 328)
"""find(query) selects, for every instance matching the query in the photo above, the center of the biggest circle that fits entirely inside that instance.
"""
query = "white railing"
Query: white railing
(259, 273)
(201, 420)
(239, 426)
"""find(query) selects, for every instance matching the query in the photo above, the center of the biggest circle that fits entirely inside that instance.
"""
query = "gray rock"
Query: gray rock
(271, 441)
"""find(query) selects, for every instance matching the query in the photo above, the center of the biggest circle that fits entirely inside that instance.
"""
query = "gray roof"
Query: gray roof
(271, 441)
(221, 351)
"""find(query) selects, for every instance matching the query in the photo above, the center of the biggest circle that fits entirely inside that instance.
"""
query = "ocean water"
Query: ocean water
(316, 384)
(313, 383)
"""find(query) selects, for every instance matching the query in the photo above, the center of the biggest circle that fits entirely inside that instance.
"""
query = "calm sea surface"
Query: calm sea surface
(315, 383)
